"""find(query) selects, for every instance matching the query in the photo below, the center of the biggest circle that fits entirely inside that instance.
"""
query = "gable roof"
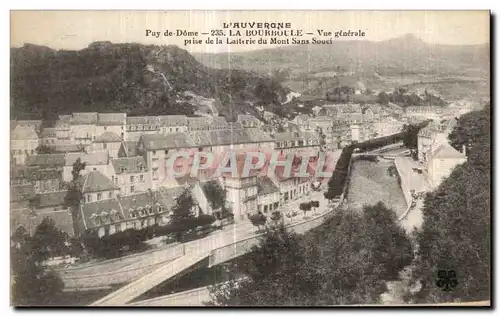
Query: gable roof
(46, 160)
(49, 199)
(266, 186)
(109, 211)
(128, 148)
(92, 159)
(23, 133)
(171, 140)
(111, 118)
(108, 137)
(129, 164)
(22, 192)
(95, 181)
(446, 151)
(84, 118)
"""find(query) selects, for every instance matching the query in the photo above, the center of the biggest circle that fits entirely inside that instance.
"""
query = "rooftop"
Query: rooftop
(95, 181)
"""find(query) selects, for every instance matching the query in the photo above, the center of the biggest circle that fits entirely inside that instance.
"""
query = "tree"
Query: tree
(473, 132)
(315, 204)
(336, 263)
(456, 231)
(278, 274)
(215, 194)
(182, 215)
(383, 98)
(32, 285)
(74, 196)
(276, 216)
(43, 149)
(305, 207)
(49, 239)
(410, 139)
(258, 219)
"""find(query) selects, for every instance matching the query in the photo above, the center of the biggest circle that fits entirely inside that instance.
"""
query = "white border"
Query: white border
(185, 4)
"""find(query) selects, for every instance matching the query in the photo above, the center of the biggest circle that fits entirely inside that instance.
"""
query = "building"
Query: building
(109, 141)
(51, 205)
(268, 199)
(23, 143)
(201, 194)
(441, 160)
(172, 123)
(131, 175)
(241, 190)
(111, 122)
(95, 161)
(82, 128)
(48, 137)
(287, 142)
(136, 126)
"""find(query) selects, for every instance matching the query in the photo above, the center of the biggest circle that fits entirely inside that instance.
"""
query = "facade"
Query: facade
(23, 143)
(109, 141)
(111, 122)
(441, 162)
(131, 175)
(268, 199)
(96, 161)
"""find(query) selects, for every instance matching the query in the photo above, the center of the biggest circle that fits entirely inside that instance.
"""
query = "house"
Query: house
(268, 199)
(95, 161)
(96, 186)
(201, 194)
(141, 125)
(111, 122)
(172, 123)
(128, 149)
(35, 124)
(135, 211)
(441, 160)
(108, 141)
(23, 143)
(83, 128)
(48, 137)
(241, 190)
(47, 179)
(287, 142)
(21, 199)
(131, 175)
(51, 205)
(47, 161)
(62, 127)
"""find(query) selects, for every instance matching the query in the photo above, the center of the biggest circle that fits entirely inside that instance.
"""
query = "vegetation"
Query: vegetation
(182, 214)
(258, 219)
(402, 97)
(345, 261)
(50, 240)
(106, 77)
(43, 149)
(74, 196)
(305, 207)
(456, 231)
(32, 284)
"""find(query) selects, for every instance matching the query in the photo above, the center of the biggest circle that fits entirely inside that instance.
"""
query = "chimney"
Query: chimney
(464, 150)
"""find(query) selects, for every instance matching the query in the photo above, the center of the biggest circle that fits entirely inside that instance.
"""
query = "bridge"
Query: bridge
(212, 250)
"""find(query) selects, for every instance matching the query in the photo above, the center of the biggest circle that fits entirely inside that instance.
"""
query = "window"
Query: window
(166, 151)
(154, 152)
(176, 129)
(89, 198)
(105, 146)
(105, 128)
(95, 169)
(116, 180)
(99, 196)
(141, 177)
(132, 178)
(132, 188)
(122, 133)
(110, 195)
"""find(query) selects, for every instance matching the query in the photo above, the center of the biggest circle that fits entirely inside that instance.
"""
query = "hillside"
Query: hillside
(133, 78)
(402, 55)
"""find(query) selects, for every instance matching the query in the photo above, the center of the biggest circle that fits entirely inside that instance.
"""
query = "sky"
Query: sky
(77, 29)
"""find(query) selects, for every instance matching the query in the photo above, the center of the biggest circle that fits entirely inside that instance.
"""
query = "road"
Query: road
(195, 251)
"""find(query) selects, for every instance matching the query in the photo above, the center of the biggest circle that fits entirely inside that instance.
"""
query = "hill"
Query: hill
(402, 55)
(133, 78)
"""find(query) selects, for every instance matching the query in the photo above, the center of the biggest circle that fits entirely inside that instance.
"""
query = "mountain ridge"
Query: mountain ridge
(129, 78)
